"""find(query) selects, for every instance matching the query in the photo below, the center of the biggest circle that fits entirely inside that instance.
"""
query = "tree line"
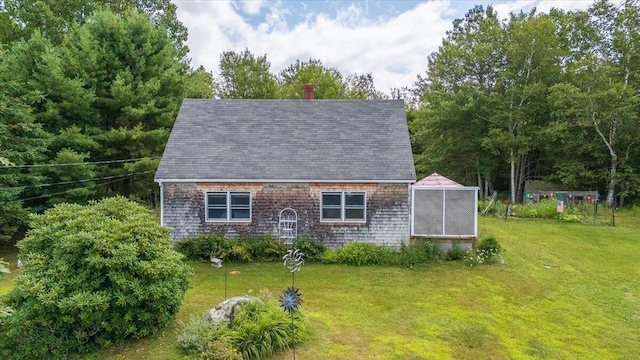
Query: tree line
(89, 92)
(535, 96)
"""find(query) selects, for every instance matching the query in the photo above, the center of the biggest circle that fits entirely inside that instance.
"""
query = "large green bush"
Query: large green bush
(93, 275)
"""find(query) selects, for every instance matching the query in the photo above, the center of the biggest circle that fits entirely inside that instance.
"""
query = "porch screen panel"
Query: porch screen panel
(460, 213)
(427, 212)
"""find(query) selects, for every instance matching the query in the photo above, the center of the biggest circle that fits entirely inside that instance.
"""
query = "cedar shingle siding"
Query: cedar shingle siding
(286, 153)
(387, 208)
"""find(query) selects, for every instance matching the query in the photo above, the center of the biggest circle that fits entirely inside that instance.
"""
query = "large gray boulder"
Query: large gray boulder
(226, 309)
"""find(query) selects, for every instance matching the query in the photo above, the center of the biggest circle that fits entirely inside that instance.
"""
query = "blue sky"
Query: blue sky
(390, 39)
(303, 10)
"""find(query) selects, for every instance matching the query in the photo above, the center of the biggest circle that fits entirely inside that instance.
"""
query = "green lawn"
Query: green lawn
(566, 291)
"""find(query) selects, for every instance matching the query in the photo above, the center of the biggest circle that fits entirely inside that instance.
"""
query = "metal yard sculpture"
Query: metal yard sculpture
(291, 298)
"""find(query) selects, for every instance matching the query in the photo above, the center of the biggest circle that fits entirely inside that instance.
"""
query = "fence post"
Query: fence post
(506, 213)
(613, 213)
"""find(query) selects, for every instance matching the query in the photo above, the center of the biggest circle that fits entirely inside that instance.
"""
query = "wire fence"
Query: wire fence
(596, 213)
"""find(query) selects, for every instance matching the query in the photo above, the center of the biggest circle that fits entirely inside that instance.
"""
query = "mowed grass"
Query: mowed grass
(566, 291)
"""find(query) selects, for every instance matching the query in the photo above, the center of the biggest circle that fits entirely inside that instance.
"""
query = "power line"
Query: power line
(122, 177)
(69, 182)
(80, 163)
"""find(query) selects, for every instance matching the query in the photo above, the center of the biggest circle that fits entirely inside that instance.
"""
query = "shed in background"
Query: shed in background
(444, 210)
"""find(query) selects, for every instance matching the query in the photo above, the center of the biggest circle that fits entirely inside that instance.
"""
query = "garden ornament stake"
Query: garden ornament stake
(291, 298)
(293, 260)
(217, 263)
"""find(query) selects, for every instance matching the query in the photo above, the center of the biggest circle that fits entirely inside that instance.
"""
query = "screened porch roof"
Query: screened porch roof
(436, 180)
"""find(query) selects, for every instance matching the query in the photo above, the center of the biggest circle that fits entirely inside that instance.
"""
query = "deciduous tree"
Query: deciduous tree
(600, 95)
(458, 93)
(532, 65)
(361, 86)
(244, 75)
(328, 82)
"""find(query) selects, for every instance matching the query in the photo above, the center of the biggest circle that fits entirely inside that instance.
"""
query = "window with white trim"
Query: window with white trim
(343, 206)
(228, 206)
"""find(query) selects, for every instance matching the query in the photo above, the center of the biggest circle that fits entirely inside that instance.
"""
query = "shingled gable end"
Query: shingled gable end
(230, 166)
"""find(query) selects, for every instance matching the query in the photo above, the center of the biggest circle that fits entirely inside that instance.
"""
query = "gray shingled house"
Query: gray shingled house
(344, 166)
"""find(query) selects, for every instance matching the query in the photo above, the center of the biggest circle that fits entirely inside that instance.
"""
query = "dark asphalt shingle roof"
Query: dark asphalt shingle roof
(281, 140)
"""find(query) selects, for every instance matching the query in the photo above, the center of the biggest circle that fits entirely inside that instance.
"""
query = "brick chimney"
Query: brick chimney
(308, 92)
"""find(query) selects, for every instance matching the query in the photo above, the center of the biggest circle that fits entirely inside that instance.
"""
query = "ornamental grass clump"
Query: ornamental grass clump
(258, 329)
(93, 275)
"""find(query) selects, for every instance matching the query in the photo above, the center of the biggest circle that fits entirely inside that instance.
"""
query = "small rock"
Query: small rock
(225, 310)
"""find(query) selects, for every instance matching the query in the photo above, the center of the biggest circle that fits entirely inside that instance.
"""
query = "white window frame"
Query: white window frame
(228, 207)
(343, 206)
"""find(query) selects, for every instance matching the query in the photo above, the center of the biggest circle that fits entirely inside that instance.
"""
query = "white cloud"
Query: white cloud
(394, 49)
(503, 9)
(544, 6)
(352, 16)
(275, 19)
(393, 46)
(252, 7)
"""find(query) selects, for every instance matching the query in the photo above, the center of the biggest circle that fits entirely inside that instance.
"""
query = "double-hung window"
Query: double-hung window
(228, 206)
(343, 206)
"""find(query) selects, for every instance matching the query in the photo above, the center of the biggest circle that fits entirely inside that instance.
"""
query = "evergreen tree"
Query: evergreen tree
(22, 141)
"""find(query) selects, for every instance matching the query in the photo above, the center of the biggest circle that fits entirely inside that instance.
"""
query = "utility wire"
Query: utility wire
(69, 182)
(124, 177)
(79, 163)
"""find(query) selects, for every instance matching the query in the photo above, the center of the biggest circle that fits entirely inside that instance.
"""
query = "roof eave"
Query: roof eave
(394, 181)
